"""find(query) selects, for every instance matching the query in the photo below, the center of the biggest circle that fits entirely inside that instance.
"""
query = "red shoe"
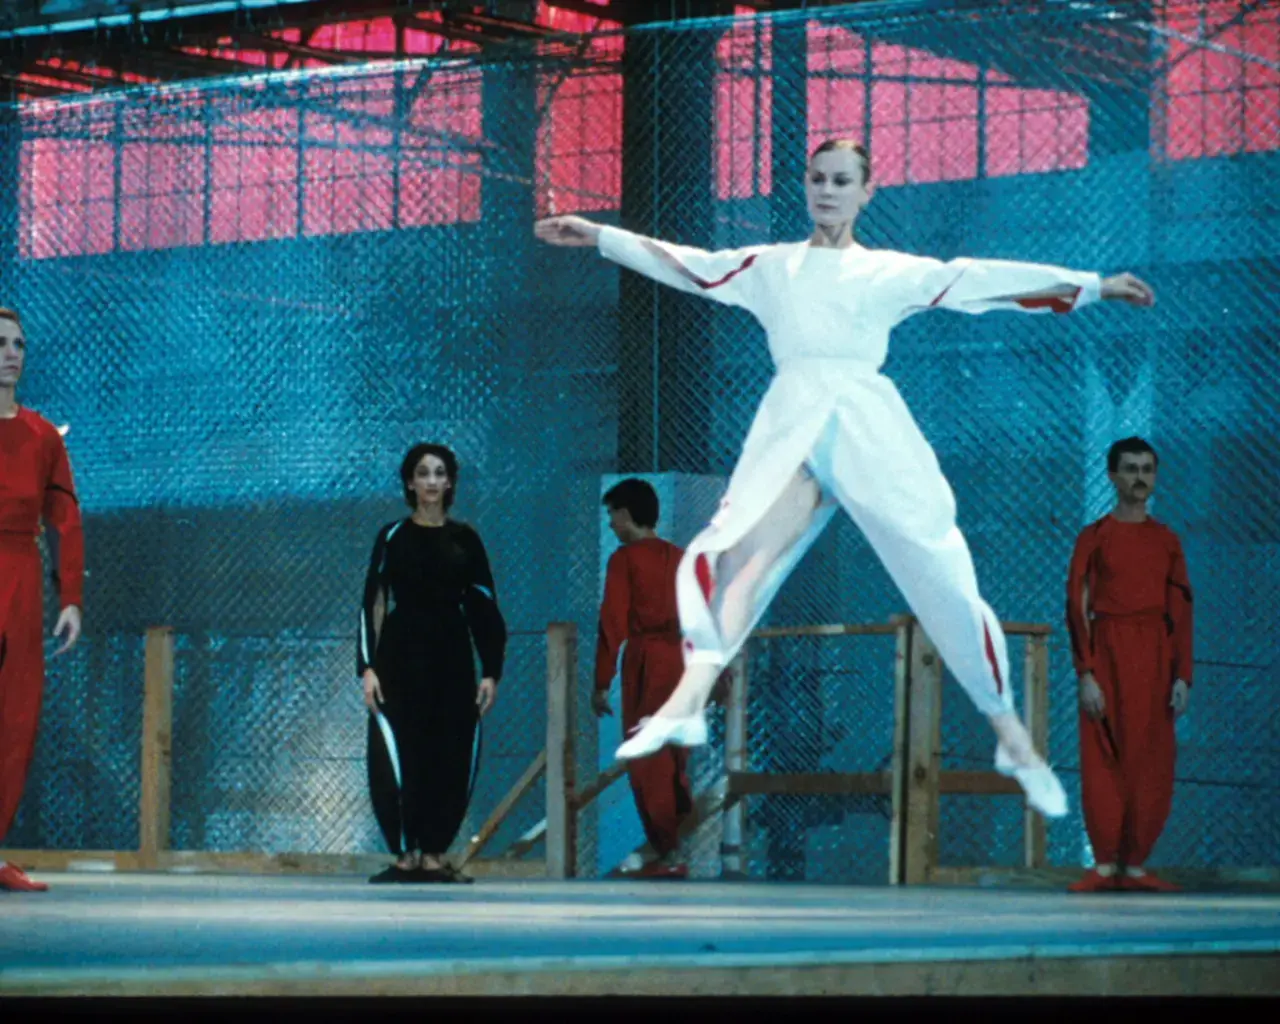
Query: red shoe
(15, 879)
(1147, 882)
(658, 869)
(1094, 882)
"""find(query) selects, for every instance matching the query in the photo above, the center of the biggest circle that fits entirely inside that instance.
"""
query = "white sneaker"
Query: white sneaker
(657, 732)
(1044, 791)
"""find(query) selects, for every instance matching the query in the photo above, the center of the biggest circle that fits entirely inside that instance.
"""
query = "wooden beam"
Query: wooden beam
(733, 833)
(898, 770)
(513, 796)
(586, 796)
(562, 705)
(1036, 705)
(923, 758)
(810, 784)
(977, 783)
(157, 746)
(1026, 629)
(526, 842)
(874, 629)
(883, 629)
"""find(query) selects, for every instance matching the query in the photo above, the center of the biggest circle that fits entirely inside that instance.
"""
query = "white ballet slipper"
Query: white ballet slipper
(1044, 791)
(657, 732)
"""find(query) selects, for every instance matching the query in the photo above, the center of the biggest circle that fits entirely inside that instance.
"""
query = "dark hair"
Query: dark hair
(1129, 446)
(638, 498)
(12, 314)
(850, 146)
(410, 464)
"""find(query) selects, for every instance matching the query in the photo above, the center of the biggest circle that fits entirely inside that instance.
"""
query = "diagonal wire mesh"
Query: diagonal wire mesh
(248, 297)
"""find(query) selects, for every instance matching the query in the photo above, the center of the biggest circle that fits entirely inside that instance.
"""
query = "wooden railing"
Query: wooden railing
(914, 783)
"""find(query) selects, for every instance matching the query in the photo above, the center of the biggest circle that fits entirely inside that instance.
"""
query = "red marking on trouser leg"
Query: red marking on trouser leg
(991, 659)
(702, 570)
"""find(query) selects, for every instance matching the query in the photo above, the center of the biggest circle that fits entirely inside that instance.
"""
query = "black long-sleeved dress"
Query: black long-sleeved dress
(438, 592)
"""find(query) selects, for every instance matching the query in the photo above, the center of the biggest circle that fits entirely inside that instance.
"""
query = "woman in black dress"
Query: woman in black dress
(428, 595)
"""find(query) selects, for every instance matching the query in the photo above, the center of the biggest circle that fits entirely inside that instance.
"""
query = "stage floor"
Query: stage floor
(219, 934)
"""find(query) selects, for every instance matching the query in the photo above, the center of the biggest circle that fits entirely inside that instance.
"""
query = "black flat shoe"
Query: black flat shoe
(457, 876)
(429, 875)
(390, 875)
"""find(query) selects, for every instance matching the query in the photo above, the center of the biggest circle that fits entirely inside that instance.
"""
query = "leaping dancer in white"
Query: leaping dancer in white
(833, 430)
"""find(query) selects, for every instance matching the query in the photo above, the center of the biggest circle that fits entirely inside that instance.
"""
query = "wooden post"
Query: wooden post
(901, 687)
(923, 760)
(562, 707)
(1036, 688)
(157, 747)
(733, 862)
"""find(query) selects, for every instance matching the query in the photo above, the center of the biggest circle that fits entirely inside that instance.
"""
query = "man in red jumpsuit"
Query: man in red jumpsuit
(1129, 616)
(640, 608)
(35, 482)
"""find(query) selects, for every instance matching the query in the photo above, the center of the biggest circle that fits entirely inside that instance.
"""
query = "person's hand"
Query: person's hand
(486, 694)
(372, 690)
(1127, 288)
(567, 230)
(600, 703)
(1181, 697)
(1091, 699)
(69, 622)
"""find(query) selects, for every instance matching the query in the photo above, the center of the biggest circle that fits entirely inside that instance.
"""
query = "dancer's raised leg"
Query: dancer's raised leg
(733, 588)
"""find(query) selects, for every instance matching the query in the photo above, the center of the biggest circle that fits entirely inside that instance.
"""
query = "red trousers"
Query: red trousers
(21, 667)
(651, 668)
(1127, 756)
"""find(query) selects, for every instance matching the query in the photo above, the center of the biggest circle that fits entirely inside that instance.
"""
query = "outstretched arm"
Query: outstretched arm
(725, 276)
(980, 286)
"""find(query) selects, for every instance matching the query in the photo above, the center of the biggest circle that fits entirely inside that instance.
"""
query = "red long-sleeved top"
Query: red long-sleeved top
(1130, 569)
(35, 483)
(639, 602)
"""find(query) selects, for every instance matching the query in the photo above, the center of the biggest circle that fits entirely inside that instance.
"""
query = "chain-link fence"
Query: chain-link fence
(249, 297)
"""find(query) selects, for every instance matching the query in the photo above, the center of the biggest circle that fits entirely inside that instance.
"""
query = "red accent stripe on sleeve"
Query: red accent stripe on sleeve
(706, 285)
(1055, 303)
(942, 294)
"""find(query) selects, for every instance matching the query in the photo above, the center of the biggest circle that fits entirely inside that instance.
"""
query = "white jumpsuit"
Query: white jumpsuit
(828, 314)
